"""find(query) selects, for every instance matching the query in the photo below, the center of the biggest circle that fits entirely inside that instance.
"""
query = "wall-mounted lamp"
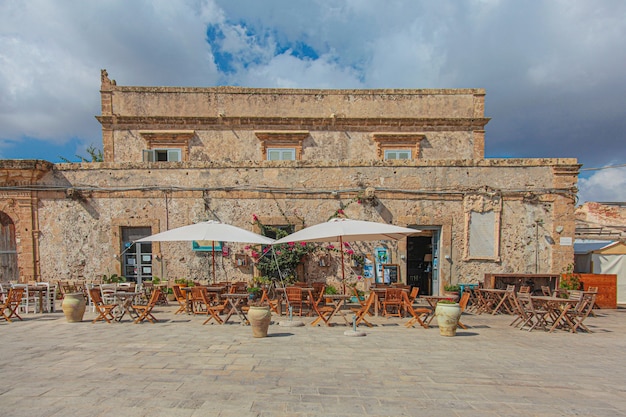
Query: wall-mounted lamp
(559, 229)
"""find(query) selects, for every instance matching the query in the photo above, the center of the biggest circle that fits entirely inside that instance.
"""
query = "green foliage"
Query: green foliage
(570, 280)
(451, 288)
(330, 290)
(156, 280)
(95, 154)
(184, 281)
(286, 257)
(112, 279)
(446, 302)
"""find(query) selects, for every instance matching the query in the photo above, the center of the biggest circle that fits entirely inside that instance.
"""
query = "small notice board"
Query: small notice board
(391, 273)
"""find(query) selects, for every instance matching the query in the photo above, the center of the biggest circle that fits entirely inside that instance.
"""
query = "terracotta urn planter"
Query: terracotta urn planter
(448, 318)
(260, 318)
(74, 306)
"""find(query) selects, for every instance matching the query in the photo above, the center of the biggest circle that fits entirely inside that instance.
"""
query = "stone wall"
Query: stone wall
(80, 234)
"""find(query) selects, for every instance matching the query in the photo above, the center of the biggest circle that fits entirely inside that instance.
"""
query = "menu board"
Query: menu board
(391, 273)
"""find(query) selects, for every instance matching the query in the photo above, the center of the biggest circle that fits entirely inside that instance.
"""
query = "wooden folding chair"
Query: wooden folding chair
(145, 311)
(105, 311)
(213, 307)
(361, 302)
(181, 298)
(323, 311)
(393, 299)
(273, 303)
(418, 314)
(294, 297)
(11, 304)
(581, 312)
(463, 303)
(362, 312)
(536, 316)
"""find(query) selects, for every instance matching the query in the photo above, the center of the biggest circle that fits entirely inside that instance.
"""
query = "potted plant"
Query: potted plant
(330, 290)
(569, 281)
(448, 313)
(254, 293)
(451, 291)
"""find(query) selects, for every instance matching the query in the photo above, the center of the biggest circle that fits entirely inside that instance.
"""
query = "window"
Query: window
(162, 155)
(397, 145)
(166, 145)
(281, 154)
(282, 145)
(397, 154)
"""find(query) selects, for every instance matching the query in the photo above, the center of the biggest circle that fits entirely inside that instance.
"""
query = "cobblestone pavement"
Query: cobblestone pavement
(178, 367)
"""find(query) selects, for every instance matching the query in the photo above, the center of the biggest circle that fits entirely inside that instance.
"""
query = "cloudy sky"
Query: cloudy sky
(554, 70)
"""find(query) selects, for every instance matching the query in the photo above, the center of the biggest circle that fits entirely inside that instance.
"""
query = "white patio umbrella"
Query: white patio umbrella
(211, 230)
(347, 230)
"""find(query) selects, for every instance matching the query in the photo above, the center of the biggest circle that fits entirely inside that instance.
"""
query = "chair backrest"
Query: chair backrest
(14, 297)
(510, 287)
(293, 293)
(393, 295)
(545, 290)
(154, 297)
(464, 299)
(413, 295)
(178, 293)
(524, 289)
(96, 296)
(592, 289)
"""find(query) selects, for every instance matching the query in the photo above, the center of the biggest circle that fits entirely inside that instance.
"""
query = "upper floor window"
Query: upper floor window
(397, 145)
(281, 154)
(162, 155)
(397, 154)
(277, 145)
(166, 145)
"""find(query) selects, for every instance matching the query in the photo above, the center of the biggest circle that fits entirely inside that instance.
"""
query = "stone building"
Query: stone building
(174, 156)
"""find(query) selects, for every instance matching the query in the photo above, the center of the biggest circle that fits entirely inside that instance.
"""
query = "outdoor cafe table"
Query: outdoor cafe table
(500, 297)
(380, 297)
(124, 300)
(217, 290)
(337, 301)
(236, 301)
(41, 290)
(558, 309)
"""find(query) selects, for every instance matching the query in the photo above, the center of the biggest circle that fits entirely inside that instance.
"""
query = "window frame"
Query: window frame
(397, 151)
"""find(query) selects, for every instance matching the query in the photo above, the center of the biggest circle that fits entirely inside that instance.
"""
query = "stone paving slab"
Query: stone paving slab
(178, 367)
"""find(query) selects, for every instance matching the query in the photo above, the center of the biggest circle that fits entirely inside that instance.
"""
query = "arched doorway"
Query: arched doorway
(8, 249)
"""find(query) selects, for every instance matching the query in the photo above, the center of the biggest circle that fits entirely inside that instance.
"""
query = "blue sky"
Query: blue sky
(553, 69)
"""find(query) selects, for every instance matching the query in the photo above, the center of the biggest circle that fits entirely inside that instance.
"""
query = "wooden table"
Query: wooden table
(500, 297)
(124, 300)
(380, 296)
(236, 301)
(558, 309)
(337, 301)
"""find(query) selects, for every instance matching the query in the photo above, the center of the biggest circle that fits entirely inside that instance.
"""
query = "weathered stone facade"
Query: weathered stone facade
(487, 215)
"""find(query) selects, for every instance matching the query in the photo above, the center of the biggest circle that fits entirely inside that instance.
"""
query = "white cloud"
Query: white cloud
(553, 69)
(603, 186)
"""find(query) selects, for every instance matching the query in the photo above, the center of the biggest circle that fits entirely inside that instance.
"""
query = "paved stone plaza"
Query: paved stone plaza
(179, 367)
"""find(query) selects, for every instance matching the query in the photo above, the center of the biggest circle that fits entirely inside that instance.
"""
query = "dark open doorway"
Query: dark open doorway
(421, 260)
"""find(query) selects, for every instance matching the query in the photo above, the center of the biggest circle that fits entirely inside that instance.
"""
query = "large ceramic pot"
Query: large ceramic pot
(74, 306)
(259, 320)
(448, 318)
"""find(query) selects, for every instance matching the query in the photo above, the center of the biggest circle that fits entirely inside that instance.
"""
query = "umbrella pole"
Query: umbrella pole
(213, 253)
(343, 273)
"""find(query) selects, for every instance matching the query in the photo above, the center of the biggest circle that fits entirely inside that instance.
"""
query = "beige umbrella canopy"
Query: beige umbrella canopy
(348, 230)
(211, 230)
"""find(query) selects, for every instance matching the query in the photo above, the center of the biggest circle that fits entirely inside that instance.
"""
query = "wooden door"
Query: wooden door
(8, 250)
